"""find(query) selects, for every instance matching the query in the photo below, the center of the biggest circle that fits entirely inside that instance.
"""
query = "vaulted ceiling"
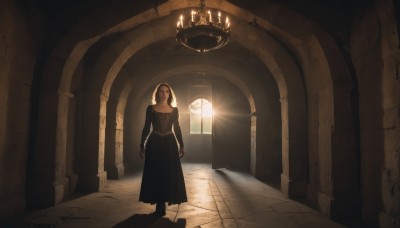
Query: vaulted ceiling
(61, 16)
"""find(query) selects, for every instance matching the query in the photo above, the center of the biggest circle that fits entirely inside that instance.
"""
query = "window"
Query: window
(201, 115)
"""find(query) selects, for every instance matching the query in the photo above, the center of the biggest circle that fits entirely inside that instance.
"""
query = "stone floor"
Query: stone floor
(216, 198)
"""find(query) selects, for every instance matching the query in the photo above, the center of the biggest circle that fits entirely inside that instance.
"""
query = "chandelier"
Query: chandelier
(202, 31)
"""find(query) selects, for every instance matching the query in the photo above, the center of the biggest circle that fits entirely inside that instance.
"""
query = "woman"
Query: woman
(162, 179)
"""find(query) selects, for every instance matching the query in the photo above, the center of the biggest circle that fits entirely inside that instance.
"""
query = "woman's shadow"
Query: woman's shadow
(148, 220)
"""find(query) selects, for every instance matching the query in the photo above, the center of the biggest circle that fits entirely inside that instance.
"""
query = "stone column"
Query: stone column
(60, 181)
(253, 143)
(119, 142)
(294, 148)
(92, 175)
(114, 142)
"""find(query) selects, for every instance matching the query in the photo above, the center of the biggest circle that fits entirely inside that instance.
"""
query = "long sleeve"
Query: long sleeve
(177, 129)
(147, 125)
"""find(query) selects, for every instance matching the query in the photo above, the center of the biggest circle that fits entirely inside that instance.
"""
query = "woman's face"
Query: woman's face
(163, 93)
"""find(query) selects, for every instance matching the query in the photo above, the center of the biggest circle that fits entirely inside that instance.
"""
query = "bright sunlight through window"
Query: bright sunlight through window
(201, 115)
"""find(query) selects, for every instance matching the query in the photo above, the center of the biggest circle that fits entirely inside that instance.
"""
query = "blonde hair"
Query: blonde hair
(171, 99)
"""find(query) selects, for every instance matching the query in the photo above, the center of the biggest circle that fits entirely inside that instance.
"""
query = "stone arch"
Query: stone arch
(150, 81)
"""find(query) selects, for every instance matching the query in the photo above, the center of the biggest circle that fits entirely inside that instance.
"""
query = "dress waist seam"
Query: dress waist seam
(162, 134)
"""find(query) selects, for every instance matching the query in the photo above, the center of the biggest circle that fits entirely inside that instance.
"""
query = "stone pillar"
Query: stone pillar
(92, 175)
(114, 143)
(253, 143)
(390, 172)
(294, 148)
(60, 181)
(119, 143)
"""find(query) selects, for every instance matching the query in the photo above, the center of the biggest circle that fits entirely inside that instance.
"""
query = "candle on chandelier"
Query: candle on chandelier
(209, 13)
(181, 19)
(219, 17)
(193, 15)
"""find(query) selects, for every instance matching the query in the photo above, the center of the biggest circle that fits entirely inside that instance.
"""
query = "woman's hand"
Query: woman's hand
(141, 153)
(181, 152)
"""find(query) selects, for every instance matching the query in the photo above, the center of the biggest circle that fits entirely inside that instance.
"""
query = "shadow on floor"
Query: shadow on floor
(140, 220)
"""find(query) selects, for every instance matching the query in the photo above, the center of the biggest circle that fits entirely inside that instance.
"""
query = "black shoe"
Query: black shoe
(158, 213)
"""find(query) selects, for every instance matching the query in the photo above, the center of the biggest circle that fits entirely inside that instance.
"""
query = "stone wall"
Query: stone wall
(18, 50)
(376, 57)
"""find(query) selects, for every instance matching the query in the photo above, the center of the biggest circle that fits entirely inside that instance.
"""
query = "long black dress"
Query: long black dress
(162, 179)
